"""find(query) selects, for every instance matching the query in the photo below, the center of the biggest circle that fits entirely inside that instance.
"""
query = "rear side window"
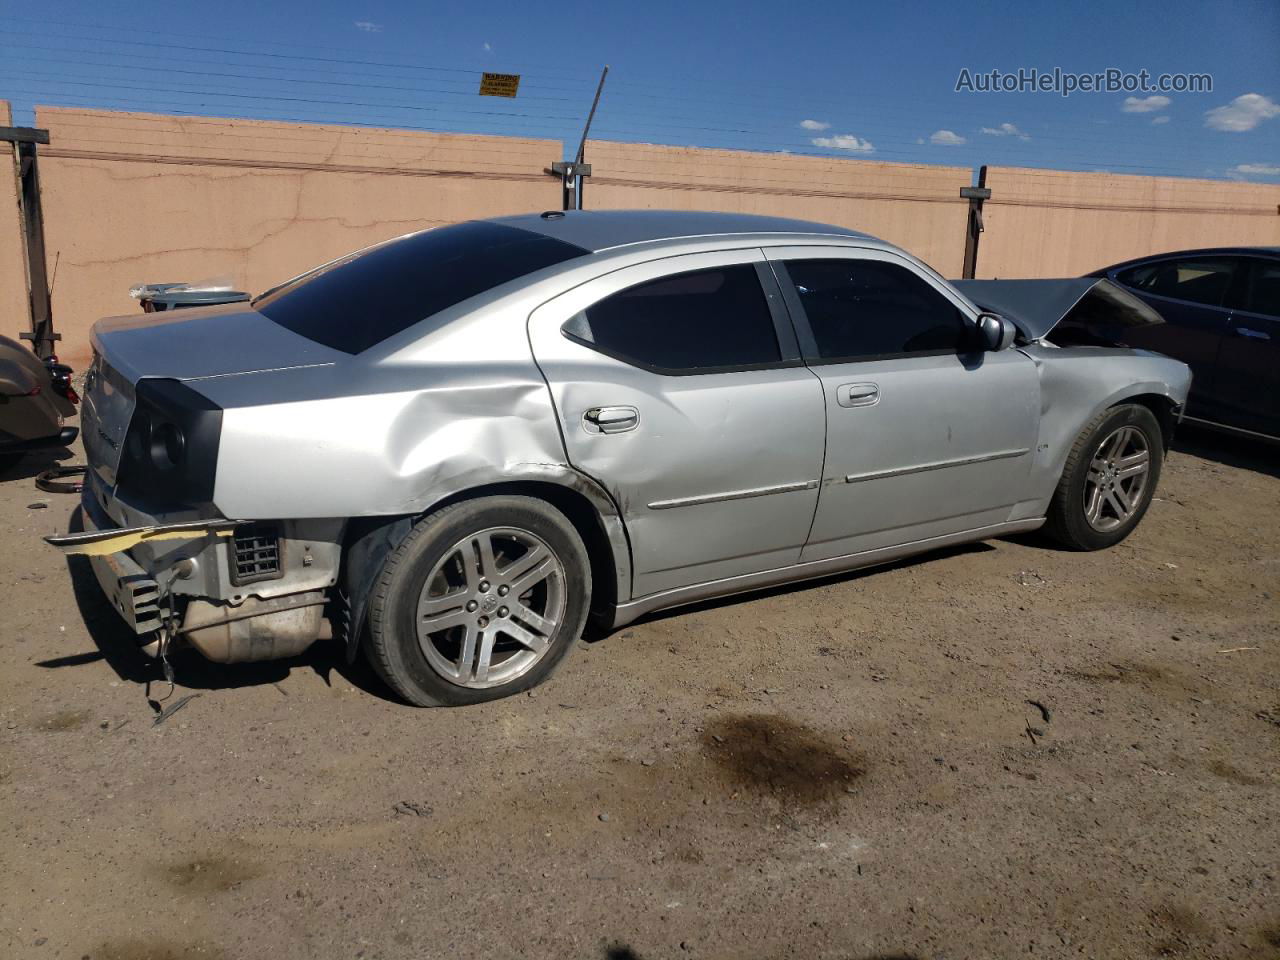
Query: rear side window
(1202, 280)
(703, 321)
(869, 309)
(359, 301)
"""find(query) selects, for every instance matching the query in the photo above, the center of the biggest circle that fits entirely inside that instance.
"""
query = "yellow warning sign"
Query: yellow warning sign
(499, 84)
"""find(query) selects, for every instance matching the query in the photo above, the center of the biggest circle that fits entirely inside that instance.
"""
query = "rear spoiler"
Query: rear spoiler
(1083, 310)
(159, 297)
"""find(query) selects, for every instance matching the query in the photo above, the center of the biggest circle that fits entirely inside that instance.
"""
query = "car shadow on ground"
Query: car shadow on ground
(119, 646)
(35, 462)
(596, 635)
(1244, 453)
(621, 951)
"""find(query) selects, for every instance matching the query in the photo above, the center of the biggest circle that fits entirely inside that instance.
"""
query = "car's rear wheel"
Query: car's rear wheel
(1109, 479)
(483, 599)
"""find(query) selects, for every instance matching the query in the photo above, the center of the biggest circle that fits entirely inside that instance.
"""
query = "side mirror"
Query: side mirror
(995, 332)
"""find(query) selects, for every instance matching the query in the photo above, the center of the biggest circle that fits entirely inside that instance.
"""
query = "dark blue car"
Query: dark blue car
(1221, 309)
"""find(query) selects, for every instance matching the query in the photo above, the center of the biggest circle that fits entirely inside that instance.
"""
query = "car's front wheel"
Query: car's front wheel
(483, 599)
(1109, 479)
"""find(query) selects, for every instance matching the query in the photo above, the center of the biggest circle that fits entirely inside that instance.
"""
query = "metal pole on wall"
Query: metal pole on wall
(973, 226)
(41, 333)
(573, 172)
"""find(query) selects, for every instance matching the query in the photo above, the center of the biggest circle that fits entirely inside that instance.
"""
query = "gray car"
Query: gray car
(455, 447)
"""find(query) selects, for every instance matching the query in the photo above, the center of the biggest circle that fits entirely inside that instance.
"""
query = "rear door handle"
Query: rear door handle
(1252, 334)
(857, 394)
(611, 419)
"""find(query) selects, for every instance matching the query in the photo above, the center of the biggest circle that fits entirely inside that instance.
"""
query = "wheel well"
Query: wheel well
(1162, 408)
(582, 514)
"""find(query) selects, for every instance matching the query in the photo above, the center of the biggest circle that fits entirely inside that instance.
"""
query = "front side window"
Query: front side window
(1202, 280)
(702, 321)
(864, 309)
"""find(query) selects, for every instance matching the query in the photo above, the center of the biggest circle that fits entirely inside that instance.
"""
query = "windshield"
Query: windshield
(356, 302)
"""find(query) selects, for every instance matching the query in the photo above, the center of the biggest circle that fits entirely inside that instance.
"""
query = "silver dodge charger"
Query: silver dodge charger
(454, 448)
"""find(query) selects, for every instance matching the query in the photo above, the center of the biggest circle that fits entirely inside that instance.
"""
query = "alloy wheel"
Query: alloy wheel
(1117, 479)
(491, 607)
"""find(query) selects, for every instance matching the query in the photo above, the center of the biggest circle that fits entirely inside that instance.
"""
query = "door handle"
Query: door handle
(857, 394)
(1253, 334)
(611, 419)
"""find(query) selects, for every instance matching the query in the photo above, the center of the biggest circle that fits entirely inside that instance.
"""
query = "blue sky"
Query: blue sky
(833, 78)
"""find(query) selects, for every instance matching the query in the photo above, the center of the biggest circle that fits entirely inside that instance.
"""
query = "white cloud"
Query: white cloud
(368, 26)
(844, 141)
(1243, 113)
(814, 125)
(1257, 169)
(920, 141)
(487, 47)
(1145, 104)
(1005, 130)
(946, 138)
(1156, 121)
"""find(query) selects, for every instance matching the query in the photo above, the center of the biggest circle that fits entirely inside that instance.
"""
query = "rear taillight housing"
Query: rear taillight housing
(60, 375)
(170, 451)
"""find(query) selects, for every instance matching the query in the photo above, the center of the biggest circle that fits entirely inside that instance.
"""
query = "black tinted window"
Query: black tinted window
(689, 322)
(1202, 280)
(1264, 288)
(361, 300)
(868, 308)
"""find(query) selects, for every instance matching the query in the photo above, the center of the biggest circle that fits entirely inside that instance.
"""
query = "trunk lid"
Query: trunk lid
(203, 342)
(188, 345)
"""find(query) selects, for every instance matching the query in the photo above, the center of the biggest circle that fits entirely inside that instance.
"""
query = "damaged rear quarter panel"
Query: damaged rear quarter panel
(387, 437)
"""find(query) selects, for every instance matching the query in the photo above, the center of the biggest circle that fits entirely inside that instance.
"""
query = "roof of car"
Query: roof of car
(1199, 252)
(597, 230)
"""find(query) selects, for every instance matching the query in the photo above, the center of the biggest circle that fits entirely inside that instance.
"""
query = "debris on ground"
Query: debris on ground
(173, 708)
(411, 808)
(1044, 711)
(1029, 578)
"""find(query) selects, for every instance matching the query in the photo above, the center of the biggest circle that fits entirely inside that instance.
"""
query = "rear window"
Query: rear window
(359, 301)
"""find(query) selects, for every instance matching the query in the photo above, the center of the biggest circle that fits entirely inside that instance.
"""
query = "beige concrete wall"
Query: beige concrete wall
(915, 206)
(14, 312)
(1042, 223)
(140, 197)
(134, 197)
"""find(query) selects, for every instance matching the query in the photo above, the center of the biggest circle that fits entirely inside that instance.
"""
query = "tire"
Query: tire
(1105, 460)
(503, 621)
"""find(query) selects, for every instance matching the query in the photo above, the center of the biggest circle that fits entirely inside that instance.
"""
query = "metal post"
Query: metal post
(973, 227)
(41, 333)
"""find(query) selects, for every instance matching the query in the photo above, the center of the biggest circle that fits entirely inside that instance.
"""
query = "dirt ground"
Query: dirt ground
(850, 769)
